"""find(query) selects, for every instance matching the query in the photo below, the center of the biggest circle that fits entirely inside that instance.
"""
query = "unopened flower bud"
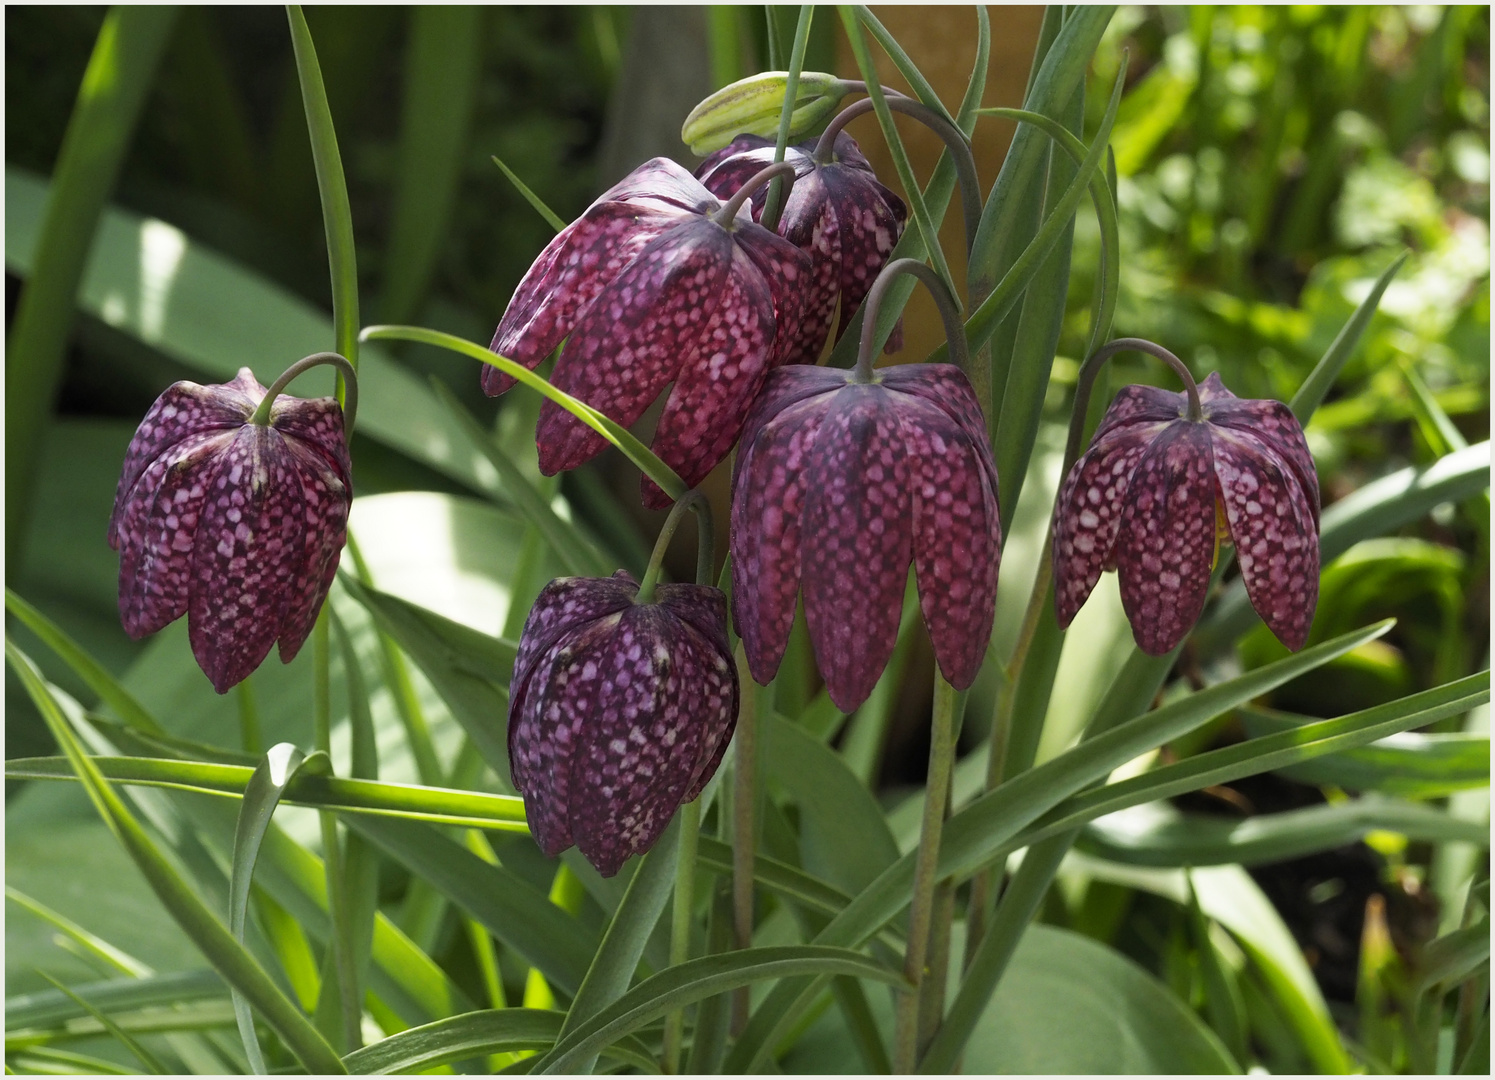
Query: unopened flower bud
(753, 105)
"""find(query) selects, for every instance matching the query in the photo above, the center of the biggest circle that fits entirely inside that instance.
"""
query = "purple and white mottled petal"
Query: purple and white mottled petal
(722, 172)
(721, 368)
(767, 516)
(246, 554)
(858, 540)
(1088, 513)
(660, 181)
(582, 260)
(649, 702)
(629, 345)
(548, 723)
(1141, 404)
(1273, 526)
(1166, 544)
(946, 387)
(956, 538)
(809, 223)
(562, 606)
(183, 409)
(325, 521)
(704, 607)
(318, 424)
(1270, 425)
(784, 387)
(157, 530)
(786, 270)
(868, 228)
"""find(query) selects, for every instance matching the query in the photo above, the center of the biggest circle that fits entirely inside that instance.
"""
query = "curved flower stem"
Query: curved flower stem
(706, 543)
(1086, 381)
(945, 729)
(949, 314)
(727, 215)
(954, 138)
(778, 194)
(329, 359)
(609, 429)
(680, 922)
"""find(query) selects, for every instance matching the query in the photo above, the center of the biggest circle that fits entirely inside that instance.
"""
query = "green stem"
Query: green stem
(705, 537)
(949, 315)
(681, 921)
(778, 194)
(782, 171)
(347, 379)
(744, 825)
(1086, 381)
(114, 89)
(945, 724)
(249, 716)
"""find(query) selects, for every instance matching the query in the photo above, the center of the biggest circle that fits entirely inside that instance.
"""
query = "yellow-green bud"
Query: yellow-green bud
(752, 106)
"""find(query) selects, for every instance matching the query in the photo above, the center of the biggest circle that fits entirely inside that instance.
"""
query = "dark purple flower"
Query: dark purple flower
(1155, 491)
(650, 291)
(234, 524)
(838, 486)
(618, 712)
(836, 212)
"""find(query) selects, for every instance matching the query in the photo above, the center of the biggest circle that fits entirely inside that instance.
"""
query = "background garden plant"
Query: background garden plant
(1296, 199)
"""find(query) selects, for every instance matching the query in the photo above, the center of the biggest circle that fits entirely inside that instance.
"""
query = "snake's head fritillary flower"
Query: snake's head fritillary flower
(837, 212)
(839, 485)
(237, 525)
(1157, 491)
(650, 289)
(619, 712)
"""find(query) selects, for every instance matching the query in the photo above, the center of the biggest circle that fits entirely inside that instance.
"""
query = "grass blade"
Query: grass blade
(1311, 394)
(551, 217)
(91, 943)
(148, 1059)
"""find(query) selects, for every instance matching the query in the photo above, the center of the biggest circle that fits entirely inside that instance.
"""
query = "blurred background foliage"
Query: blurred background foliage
(1272, 161)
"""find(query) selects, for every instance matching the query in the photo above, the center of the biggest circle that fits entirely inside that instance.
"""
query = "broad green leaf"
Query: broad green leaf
(1072, 1005)
(1156, 834)
(696, 979)
(1410, 764)
(475, 1034)
(149, 280)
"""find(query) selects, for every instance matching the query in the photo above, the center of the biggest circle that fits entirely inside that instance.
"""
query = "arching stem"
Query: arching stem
(954, 138)
(1086, 382)
(728, 213)
(949, 313)
(705, 552)
(300, 367)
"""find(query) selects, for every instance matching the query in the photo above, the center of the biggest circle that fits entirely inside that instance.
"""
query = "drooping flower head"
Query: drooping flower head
(839, 485)
(238, 525)
(1158, 489)
(837, 212)
(619, 712)
(652, 289)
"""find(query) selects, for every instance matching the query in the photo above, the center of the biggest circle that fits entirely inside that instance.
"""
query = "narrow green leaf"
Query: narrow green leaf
(775, 203)
(1311, 394)
(902, 61)
(1222, 998)
(112, 956)
(38, 1058)
(200, 1016)
(149, 1060)
(696, 979)
(476, 1034)
(551, 217)
(115, 85)
(238, 967)
(49, 1008)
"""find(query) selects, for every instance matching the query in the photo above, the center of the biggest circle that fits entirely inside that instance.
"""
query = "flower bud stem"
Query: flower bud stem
(350, 379)
(955, 332)
(680, 922)
(705, 552)
(727, 215)
(954, 138)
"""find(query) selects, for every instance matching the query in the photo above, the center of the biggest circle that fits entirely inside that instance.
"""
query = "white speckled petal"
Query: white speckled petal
(324, 520)
(1266, 424)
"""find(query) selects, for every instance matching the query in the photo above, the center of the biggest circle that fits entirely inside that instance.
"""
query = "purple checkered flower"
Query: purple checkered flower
(837, 213)
(619, 712)
(1155, 494)
(651, 290)
(839, 485)
(235, 524)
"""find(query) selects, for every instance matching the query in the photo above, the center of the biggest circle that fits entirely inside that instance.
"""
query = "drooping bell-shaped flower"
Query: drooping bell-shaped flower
(238, 525)
(651, 288)
(619, 712)
(839, 485)
(837, 212)
(1157, 490)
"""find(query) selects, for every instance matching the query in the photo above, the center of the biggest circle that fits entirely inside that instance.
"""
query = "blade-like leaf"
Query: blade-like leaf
(1311, 393)
(552, 219)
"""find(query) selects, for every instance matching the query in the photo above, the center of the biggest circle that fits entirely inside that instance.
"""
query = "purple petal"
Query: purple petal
(721, 366)
(767, 510)
(656, 705)
(156, 531)
(724, 171)
(946, 387)
(787, 271)
(956, 536)
(662, 183)
(1273, 525)
(1166, 544)
(246, 554)
(859, 530)
(1270, 424)
(1141, 405)
(317, 423)
(628, 346)
(574, 268)
(1088, 513)
(325, 525)
(704, 607)
(868, 227)
(183, 409)
(562, 606)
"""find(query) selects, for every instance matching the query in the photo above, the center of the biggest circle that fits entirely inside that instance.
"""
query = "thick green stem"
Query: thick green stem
(680, 923)
(705, 549)
(778, 195)
(744, 825)
(949, 314)
(945, 728)
(346, 375)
